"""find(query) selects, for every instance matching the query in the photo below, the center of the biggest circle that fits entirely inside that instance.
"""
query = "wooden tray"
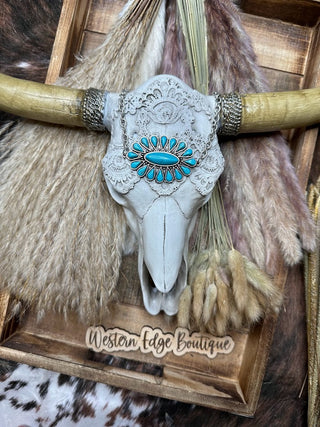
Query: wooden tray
(289, 51)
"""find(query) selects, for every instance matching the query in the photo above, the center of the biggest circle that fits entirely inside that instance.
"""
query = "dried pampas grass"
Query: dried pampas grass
(227, 293)
(263, 203)
(62, 235)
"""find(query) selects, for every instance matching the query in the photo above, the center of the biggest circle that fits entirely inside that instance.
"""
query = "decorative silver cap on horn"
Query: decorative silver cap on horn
(231, 114)
(93, 109)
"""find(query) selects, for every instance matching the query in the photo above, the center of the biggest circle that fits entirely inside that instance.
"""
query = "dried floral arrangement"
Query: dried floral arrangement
(63, 237)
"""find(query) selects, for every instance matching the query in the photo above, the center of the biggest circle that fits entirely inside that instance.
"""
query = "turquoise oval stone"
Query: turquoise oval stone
(134, 165)
(190, 162)
(154, 140)
(150, 174)
(137, 147)
(142, 171)
(181, 146)
(187, 153)
(173, 143)
(132, 155)
(185, 170)
(164, 140)
(160, 177)
(169, 177)
(178, 175)
(160, 158)
(145, 142)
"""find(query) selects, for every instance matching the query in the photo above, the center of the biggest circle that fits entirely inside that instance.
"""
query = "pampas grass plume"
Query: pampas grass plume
(262, 283)
(183, 317)
(223, 308)
(198, 288)
(209, 303)
(239, 284)
(253, 310)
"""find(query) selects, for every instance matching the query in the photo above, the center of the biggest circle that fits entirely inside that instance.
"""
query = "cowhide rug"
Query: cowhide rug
(36, 397)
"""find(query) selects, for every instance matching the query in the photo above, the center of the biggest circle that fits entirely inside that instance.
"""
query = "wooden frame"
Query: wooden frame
(290, 54)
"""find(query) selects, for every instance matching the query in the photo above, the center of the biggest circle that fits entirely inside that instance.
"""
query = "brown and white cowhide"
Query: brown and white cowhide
(39, 398)
(36, 397)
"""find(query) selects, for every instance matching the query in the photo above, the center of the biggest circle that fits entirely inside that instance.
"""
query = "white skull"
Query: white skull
(161, 166)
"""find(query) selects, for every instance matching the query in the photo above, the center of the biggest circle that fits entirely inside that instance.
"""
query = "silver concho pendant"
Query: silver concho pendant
(161, 159)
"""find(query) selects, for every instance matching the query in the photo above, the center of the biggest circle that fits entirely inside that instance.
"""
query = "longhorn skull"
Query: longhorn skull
(163, 159)
(161, 166)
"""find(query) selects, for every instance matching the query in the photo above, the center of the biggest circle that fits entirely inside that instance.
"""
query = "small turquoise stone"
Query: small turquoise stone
(132, 155)
(142, 171)
(150, 174)
(154, 140)
(178, 175)
(160, 177)
(145, 142)
(185, 170)
(161, 158)
(137, 147)
(181, 146)
(135, 165)
(173, 143)
(164, 140)
(190, 162)
(169, 177)
(187, 153)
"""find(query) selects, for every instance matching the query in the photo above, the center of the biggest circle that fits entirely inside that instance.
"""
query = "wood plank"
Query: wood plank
(305, 142)
(120, 378)
(91, 40)
(103, 14)
(4, 304)
(281, 80)
(291, 41)
(71, 23)
(171, 377)
(132, 319)
(300, 12)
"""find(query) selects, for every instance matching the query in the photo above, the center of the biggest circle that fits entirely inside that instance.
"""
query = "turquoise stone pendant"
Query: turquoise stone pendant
(161, 159)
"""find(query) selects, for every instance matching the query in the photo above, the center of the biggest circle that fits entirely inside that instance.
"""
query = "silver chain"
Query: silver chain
(123, 125)
(214, 126)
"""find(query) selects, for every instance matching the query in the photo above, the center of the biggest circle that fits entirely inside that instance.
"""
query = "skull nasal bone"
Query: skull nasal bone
(164, 239)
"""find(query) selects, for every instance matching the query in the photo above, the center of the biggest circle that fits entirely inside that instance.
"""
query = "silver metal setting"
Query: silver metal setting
(231, 114)
(93, 109)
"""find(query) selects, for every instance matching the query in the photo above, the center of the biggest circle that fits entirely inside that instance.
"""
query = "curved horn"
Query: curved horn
(264, 112)
(270, 111)
(258, 112)
(53, 104)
